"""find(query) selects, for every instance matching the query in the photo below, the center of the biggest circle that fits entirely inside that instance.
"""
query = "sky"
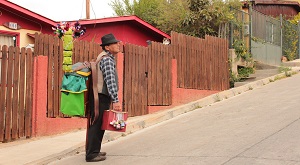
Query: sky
(67, 10)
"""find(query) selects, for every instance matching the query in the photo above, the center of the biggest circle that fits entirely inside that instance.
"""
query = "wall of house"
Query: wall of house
(126, 31)
(26, 25)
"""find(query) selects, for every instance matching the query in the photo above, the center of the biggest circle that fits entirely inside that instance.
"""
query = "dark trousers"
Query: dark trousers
(94, 132)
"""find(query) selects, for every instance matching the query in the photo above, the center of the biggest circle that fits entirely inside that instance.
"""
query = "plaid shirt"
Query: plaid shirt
(108, 68)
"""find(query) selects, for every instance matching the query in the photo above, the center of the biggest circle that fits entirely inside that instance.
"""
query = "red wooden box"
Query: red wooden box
(110, 116)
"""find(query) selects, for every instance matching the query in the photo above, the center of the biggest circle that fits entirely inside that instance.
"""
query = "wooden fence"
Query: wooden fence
(202, 63)
(15, 93)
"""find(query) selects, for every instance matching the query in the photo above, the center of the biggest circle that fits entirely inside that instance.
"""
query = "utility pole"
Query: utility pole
(87, 5)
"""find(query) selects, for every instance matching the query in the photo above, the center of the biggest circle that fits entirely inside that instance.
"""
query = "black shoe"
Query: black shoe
(102, 153)
(97, 158)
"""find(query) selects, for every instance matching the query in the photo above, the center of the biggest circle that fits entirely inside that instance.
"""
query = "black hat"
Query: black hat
(108, 39)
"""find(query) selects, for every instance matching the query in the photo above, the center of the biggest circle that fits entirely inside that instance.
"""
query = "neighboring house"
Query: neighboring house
(276, 7)
(18, 26)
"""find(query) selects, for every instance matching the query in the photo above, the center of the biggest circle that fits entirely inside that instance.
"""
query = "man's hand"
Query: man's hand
(117, 106)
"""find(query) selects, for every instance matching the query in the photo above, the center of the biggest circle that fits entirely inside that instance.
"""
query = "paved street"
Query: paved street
(258, 127)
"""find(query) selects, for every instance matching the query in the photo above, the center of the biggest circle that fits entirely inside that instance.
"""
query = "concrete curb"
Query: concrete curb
(141, 122)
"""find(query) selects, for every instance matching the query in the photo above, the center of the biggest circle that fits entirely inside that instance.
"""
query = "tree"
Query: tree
(206, 17)
(192, 17)
(145, 9)
(122, 8)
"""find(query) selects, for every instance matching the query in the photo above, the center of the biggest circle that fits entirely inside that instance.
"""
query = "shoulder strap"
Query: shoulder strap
(93, 66)
(95, 90)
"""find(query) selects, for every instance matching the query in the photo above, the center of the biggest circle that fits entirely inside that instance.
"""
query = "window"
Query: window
(7, 40)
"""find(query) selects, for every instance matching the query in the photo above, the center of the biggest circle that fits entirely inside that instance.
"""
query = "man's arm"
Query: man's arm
(107, 66)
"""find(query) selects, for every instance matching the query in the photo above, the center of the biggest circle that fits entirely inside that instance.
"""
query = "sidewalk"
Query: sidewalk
(47, 149)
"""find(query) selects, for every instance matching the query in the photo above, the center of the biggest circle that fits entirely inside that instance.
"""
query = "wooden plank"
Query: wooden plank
(28, 104)
(22, 92)
(128, 79)
(3, 90)
(125, 79)
(165, 80)
(86, 51)
(91, 51)
(188, 63)
(81, 52)
(151, 75)
(201, 66)
(126, 95)
(159, 72)
(192, 62)
(145, 81)
(15, 108)
(36, 44)
(132, 65)
(56, 80)
(219, 64)
(140, 81)
(209, 53)
(9, 89)
(75, 52)
(50, 109)
(198, 67)
(136, 100)
(205, 64)
(212, 76)
(215, 62)
(50, 46)
(193, 67)
(46, 45)
(60, 77)
(179, 63)
(41, 46)
(133, 84)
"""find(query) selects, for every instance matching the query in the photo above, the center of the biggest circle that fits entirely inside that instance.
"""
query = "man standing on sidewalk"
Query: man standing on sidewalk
(107, 93)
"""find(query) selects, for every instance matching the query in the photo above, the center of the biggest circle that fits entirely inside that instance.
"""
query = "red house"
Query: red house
(17, 26)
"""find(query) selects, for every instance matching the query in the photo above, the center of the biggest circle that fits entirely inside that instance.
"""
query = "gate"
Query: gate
(147, 77)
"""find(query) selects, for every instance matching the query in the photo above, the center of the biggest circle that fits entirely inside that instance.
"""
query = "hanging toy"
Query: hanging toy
(78, 30)
(61, 28)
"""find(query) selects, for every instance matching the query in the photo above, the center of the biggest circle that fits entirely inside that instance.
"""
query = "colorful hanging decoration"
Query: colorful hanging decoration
(63, 27)
(78, 31)
(68, 33)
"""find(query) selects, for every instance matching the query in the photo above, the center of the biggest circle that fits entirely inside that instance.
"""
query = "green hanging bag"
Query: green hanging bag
(72, 104)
